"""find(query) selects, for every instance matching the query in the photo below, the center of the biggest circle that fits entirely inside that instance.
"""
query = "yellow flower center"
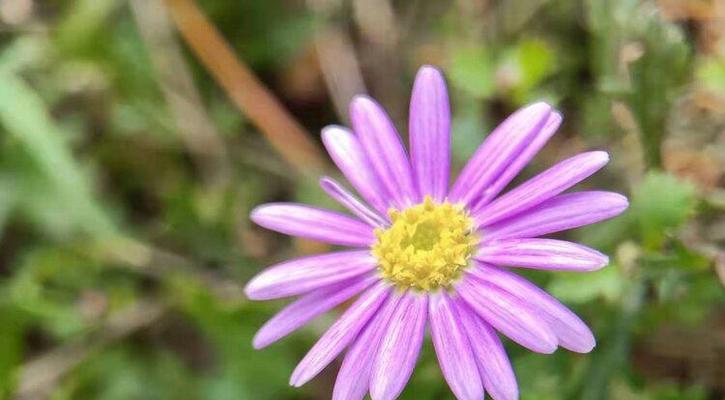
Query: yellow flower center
(427, 246)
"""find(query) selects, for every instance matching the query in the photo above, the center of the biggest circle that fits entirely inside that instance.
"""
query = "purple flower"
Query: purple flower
(425, 254)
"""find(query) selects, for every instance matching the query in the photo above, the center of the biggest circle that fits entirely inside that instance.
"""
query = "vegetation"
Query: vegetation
(131, 154)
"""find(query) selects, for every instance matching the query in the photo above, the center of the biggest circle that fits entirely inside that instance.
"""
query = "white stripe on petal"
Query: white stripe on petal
(507, 314)
(572, 333)
(399, 347)
(453, 349)
(349, 201)
(517, 164)
(384, 149)
(493, 362)
(340, 334)
(542, 187)
(497, 152)
(306, 308)
(430, 133)
(566, 211)
(546, 254)
(353, 379)
(349, 156)
(301, 275)
(314, 224)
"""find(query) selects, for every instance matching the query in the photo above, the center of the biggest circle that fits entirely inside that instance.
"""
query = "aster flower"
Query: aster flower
(426, 255)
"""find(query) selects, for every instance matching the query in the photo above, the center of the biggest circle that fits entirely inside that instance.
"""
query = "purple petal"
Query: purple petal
(314, 224)
(522, 159)
(306, 308)
(399, 347)
(563, 212)
(384, 149)
(508, 314)
(430, 133)
(541, 254)
(353, 379)
(498, 151)
(493, 363)
(340, 334)
(302, 275)
(571, 331)
(453, 350)
(337, 192)
(542, 187)
(349, 156)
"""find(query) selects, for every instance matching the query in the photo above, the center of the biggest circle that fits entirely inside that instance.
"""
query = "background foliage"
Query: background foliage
(127, 174)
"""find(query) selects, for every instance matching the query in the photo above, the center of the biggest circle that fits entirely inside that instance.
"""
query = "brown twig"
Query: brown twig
(284, 132)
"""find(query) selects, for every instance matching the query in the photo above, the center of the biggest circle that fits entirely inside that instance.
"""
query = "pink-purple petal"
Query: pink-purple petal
(572, 333)
(301, 275)
(520, 161)
(566, 211)
(384, 149)
(430, 133)
(508, 314)
(399, 347)
(314, 224)
(349, 201)
(353, 379)
(493, 362)
(498, 151)
(542, 187)
(349, 156)
(453, 349)
(307, 307)
(340, 334)
(548, 254)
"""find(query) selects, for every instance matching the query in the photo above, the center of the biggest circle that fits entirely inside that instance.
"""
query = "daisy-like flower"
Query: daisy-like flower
(428, 255)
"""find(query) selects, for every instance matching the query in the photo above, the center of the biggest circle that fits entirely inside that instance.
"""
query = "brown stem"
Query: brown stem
(281, 129)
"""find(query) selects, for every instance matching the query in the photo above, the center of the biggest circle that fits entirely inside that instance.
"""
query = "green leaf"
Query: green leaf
(12, 321)
(573, 287)
(472, 71)
(25, 117)
(661, 204)
(711, 72)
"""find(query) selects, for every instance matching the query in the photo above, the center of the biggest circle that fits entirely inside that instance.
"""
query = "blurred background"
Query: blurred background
(135, 136)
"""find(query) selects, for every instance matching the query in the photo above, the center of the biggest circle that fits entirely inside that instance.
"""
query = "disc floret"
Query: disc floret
(427, 246)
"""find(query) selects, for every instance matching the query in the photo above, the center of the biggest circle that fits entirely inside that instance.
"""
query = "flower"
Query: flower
(426, 255)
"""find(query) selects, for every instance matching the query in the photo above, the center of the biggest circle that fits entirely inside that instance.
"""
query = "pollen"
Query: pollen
(426, 247)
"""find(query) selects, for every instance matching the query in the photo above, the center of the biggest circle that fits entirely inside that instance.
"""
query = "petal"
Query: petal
(493, 363)
(498, 151)
(399, 347)
(306, 308)
(430, 133)
(384, 149)
(571, 331)
(349, 201)
(353, 379)
(542, 187)
(340, 334)
(314, 224)
(453, 350)
(507, 314)
(349, 156)
(522, 159)
(541, 254)
(304, 274)
(560, 213)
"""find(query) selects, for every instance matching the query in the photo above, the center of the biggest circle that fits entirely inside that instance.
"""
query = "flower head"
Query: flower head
(428, 255)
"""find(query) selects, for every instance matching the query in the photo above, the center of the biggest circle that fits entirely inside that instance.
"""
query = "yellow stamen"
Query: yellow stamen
(427, 246)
